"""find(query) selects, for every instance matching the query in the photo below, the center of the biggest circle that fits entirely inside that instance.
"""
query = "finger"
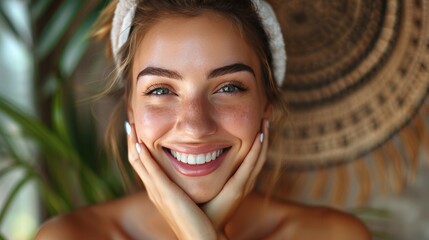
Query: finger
(133, 155)
(138, 156)
(153, 170)
(223, 205)
(153, 174)
(149, 163)
(254, 158)
(171, 201)
(263, 154)
(240, 183)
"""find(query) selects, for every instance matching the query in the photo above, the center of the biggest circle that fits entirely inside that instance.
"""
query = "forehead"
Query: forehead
(208, 40)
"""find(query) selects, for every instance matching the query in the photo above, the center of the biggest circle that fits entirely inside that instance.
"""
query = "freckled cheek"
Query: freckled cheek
(243, 121)
(152, 122)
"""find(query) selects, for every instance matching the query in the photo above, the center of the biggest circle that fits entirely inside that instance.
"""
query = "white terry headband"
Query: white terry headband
(124, 15)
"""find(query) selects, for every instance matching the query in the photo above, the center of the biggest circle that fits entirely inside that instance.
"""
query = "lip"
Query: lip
(196, 170)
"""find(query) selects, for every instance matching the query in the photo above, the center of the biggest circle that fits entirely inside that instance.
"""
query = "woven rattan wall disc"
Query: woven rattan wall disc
(357, 73)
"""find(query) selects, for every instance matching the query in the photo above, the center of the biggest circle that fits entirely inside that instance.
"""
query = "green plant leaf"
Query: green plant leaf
(38, 8)
(34, 128)
(56, 148)
(78, 44)
(56, 203)
(8, 149)
(10, 26)
(11, 147)
(57, 27)
(15, 190)
(8, 169)
(76, 47)
(58, 118)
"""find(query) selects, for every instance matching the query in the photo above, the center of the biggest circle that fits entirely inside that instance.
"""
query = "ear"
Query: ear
(268, 111)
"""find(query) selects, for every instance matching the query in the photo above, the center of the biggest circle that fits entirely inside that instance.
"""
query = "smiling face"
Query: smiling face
(197, 100)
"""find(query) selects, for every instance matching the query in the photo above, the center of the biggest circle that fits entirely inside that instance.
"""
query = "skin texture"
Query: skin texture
(135, 217)
(182, 101)
(195, 113)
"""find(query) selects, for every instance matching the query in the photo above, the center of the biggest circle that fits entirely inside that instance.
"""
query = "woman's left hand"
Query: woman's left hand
(240, 184)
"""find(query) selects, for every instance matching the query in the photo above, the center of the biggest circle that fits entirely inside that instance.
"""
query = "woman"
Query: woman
(199, 91)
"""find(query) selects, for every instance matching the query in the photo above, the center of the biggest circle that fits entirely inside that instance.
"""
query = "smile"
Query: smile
(197, 163)
(194, 159)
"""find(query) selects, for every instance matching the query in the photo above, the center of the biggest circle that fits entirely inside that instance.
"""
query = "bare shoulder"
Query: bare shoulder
(93, 222)
(313, 222)
(68, 226)
(129, 217)
(279, 219)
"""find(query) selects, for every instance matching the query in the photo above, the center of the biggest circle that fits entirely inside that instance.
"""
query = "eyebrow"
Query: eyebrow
(233, 68)
(229, 69)
(156, 71)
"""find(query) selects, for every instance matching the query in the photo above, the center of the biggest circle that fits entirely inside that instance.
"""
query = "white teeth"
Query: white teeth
(191, 159)
(184, 157)
(208, 157)
(201, 159)
(196, 159)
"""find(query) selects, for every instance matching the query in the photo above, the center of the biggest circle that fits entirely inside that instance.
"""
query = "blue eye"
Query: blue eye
(158, 91)
(231, 88)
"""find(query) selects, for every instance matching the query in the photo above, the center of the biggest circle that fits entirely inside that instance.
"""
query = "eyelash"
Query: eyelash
(237, 85)
(154, 88)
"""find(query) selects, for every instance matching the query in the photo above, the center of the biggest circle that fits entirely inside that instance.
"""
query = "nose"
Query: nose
(196, 118)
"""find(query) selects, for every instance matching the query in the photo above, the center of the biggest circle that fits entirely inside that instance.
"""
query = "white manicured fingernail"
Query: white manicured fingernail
(127, 128)
(261, 137)
(138, 148)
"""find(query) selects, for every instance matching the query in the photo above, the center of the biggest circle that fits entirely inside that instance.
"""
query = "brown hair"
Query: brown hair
(241, 12)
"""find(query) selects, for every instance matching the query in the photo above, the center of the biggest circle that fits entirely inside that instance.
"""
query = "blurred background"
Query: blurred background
(51, 155)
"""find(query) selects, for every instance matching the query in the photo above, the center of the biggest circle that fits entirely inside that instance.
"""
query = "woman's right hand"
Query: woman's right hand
(183, 215)
(240, 184)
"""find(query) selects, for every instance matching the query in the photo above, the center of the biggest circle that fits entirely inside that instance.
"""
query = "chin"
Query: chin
(201, 194)
(201, 199)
